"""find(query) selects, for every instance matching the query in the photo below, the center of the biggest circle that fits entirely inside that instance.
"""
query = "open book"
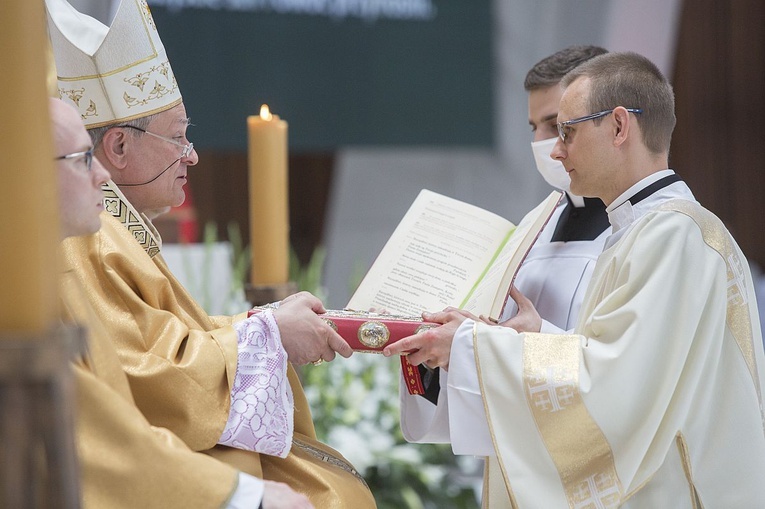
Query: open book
(445, 252)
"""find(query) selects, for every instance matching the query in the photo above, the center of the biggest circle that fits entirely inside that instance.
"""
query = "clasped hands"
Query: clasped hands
(433, 347)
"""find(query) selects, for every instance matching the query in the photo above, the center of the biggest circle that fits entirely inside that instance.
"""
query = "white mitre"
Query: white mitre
(111, 74)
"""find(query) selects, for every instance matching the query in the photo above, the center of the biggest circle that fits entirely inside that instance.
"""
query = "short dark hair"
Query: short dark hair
(550, 70)
(632, 81)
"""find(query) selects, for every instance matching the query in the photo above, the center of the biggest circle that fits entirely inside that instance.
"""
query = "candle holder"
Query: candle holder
(260, 295)
(37, 405)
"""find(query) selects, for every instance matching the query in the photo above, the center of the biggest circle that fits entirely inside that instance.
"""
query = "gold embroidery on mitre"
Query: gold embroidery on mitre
(74, 94)
(138, 80)
(164, 70)
(158, 91)
(117, 205)
(739, 322)
(91, 110)
(586, 465)
(147, 14)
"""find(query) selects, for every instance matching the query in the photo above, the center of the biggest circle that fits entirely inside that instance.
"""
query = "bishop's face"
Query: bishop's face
(149, 155)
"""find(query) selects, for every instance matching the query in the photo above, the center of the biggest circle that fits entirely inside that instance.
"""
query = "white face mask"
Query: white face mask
(551, 169)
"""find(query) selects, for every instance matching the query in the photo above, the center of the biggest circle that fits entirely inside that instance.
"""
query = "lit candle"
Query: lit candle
(28, 203)
(269, 215)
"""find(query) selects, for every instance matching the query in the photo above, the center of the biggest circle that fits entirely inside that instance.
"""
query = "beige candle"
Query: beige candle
(269, 215)
(29, 234)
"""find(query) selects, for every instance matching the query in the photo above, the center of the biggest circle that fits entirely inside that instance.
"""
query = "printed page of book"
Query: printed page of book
(491, 291)
(519, 246)
(434, 258)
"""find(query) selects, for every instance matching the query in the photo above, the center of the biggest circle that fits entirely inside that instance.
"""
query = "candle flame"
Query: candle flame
(264, 113)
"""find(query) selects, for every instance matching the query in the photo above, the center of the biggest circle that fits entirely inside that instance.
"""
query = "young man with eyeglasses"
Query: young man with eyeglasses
(225, 385)
(655, 399)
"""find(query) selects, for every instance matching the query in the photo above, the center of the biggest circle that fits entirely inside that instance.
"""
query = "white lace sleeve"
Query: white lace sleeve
(261, 416)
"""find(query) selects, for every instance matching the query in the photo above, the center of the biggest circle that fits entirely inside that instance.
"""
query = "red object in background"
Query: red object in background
(186, 216)
(178, 225)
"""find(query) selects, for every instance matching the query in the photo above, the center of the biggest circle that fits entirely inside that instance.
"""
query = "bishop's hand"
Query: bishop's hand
(305, 336)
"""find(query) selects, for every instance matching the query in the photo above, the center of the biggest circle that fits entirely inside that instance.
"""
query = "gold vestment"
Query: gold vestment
(181, 362)
(125, 462)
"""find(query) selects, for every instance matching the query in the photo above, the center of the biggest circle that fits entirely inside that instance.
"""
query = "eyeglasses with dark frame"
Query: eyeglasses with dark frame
(564, 127)
(87, 155)
(186, 149)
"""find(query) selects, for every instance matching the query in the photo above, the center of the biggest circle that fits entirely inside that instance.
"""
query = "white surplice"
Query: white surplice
(654, 401)
(554, 276)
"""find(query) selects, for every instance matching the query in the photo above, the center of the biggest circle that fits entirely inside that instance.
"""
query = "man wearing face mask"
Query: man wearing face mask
(556, 272)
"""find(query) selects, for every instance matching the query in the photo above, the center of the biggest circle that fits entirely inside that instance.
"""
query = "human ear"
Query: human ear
(114, 147)
(622, 124)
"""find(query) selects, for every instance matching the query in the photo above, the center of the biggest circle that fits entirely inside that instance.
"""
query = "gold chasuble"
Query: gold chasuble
(655, 401)
(181, 363)
(125, 461)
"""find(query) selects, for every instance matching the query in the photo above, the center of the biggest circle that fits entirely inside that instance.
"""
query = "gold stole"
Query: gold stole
(738, 318)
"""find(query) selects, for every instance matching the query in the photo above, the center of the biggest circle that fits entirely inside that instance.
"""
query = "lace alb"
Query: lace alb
(262, 405)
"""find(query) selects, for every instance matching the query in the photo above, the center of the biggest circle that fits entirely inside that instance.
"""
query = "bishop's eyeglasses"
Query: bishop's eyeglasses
(87, 156)
(564, 128)
(185, 149)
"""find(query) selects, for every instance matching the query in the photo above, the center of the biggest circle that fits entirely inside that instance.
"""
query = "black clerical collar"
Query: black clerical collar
(581, 223)
(652, 188)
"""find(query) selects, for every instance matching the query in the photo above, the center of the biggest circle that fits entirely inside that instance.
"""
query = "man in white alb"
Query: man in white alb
(556, 271)
(655, 399)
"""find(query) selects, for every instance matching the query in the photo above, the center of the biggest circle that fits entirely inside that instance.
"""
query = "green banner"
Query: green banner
(340, 72)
